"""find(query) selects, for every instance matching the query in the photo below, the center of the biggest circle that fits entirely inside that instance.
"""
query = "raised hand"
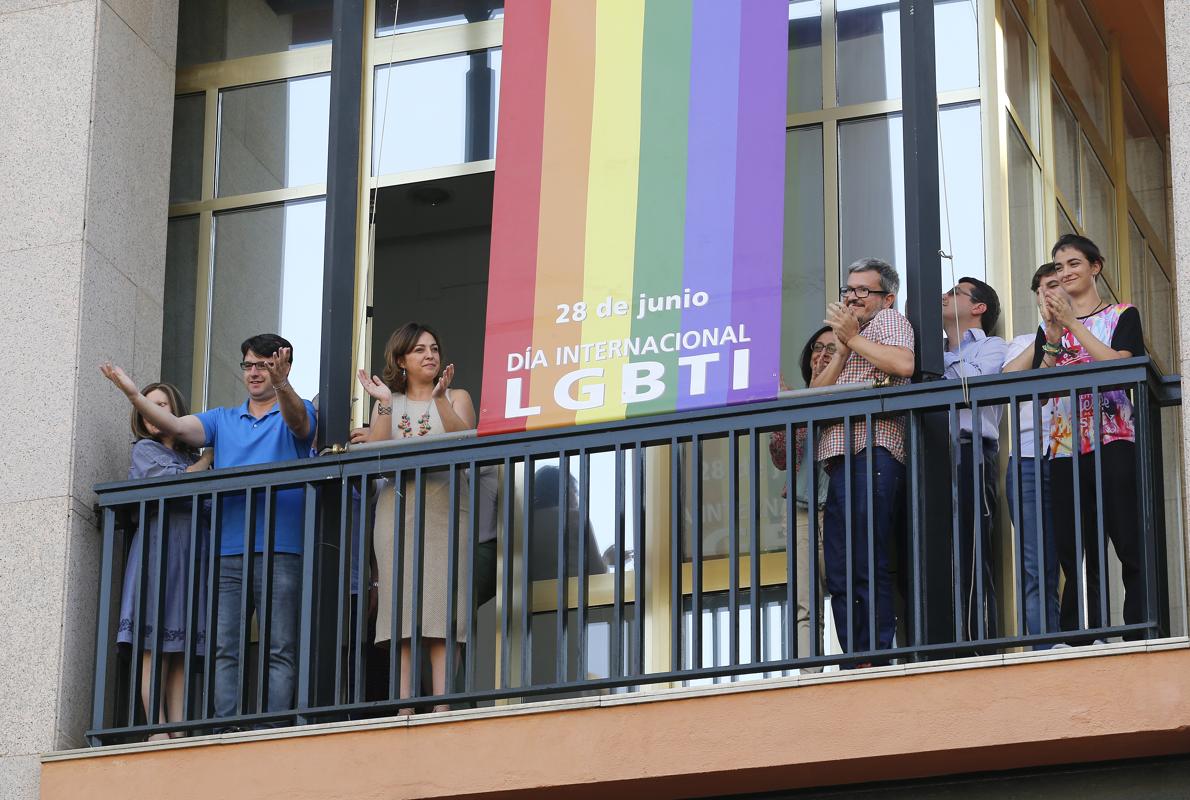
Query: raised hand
(279, 365)
(119, 378)
(375, 387)
(443, 383)
(842, 321)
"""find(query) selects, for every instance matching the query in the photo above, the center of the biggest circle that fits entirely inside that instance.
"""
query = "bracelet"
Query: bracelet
(1054, 350)
(384, 411)
(279, 386)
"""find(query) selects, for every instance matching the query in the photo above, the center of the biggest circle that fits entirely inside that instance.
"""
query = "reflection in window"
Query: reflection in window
(803, 290)
(1065, 226)
(216, 30)
(177, 325)
(1066, 152)
(1024, 226)
(1159, 313)
(1099, 212)
(273, 136)
(268, 278)
(1020, 69)
(1083, 57)
(871, 191)
(961, 197)
(436, 112)
(1145, 166)
(805, 56)
(185, 169)
(868, 49)
(417, 15)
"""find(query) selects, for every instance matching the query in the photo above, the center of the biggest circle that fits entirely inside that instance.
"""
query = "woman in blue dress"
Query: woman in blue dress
(154, 455)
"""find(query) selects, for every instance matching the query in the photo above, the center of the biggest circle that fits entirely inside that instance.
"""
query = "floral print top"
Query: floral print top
(1118, 326)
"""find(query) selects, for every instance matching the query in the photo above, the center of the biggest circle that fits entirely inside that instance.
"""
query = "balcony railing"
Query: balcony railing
(647, 552)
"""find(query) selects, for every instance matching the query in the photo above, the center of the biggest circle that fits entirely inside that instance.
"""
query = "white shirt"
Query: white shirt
(1027, 450)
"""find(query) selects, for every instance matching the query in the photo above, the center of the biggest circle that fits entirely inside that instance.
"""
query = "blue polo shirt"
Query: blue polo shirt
(241, 439)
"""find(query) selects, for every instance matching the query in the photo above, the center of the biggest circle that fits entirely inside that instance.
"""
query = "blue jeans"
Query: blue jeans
(1030, 562)
(888, 476)
(284, 611)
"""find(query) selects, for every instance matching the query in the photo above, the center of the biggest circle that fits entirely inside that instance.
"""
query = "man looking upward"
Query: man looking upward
(969, 313)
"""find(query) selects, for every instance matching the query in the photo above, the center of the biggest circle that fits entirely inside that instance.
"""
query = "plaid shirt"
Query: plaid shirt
(888, 327)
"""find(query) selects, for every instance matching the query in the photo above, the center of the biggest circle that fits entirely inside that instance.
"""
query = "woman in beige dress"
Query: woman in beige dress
(415, 399)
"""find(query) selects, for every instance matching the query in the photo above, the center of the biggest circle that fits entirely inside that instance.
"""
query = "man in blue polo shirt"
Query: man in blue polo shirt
(273, 424)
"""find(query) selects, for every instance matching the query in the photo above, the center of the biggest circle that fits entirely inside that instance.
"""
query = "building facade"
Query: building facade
(169, 180)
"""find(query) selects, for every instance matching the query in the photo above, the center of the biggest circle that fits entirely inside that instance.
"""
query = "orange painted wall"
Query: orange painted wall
(933, 723)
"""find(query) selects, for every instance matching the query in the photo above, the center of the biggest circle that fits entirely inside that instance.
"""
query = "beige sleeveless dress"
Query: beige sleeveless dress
(423, 420)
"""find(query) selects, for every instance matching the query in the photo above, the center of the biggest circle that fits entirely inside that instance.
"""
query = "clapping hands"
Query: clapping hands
(443, 383)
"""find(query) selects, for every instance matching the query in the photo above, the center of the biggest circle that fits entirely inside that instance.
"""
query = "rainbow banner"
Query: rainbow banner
(638, 210)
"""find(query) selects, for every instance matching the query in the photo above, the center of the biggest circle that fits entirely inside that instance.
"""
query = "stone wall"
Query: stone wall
(86, 90)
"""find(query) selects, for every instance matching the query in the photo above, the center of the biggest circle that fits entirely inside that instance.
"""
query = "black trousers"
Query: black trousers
(977, 504)
(1120, 524)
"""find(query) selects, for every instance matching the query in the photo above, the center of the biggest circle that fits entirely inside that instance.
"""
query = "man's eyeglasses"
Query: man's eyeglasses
(819, 347)
(860, 292)
(962, 291)
(247, 366)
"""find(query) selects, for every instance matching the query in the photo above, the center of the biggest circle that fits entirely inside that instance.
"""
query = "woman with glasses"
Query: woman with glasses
(415, 399)
(816, 355)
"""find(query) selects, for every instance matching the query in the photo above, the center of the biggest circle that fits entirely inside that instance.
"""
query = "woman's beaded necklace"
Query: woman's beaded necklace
(405, 426)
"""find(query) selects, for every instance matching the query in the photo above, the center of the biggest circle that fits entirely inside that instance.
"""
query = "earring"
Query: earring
(402, 373)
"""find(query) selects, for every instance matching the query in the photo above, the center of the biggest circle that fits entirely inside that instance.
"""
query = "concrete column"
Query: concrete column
(87, 93)
(1177, 36)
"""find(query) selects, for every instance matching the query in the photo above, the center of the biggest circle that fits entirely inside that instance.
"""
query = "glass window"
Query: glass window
(1136, 262)
(1145, 162)
(1083, 57)
(1066, 152)
(805, 56)
(185, 169)
(868, 49)
(1024, 226)
(217, 30)
(273, 136)
(417, 15)
(1065, 226)
(956, 44)
(177, 324)
(435, 112)
(268, 277)
(803, 286)
(1020, 70)
(961, 196)
(1158, 320)
(871, 191)
(1099, 212)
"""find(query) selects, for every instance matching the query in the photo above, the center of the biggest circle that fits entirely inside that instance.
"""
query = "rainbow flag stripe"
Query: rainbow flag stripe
(641, 157)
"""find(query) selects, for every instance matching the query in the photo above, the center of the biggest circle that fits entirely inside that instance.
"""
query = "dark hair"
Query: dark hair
(983, 293)
(265, 344)
(1089, 249)
(177, 407)
(808, 352)
(1044, 271)
(403, 340)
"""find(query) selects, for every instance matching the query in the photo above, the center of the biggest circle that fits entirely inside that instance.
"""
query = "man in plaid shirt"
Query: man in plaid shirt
(875, 344)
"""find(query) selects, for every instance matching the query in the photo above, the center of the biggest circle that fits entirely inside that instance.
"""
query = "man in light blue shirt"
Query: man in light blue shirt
(273, 424)
(969, 311)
